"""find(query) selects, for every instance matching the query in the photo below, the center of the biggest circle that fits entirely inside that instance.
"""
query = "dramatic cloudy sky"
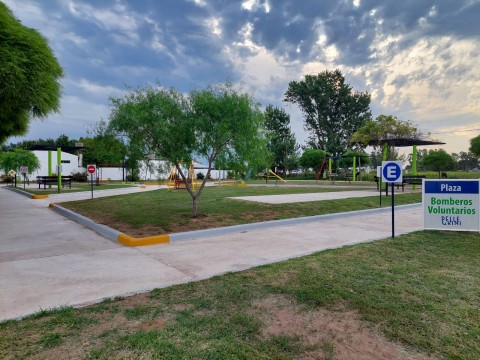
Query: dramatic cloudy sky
(419, 59)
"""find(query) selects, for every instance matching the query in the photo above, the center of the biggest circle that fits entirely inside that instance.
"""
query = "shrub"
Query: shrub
(79, 176)
(200, 176)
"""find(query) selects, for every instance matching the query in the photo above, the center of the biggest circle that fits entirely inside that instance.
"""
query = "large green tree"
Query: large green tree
(220, 124)
(12, 160)
(475, 146)
(312, 158)
(281, 141)
(29, 76)
(332, 110)
(437, 160)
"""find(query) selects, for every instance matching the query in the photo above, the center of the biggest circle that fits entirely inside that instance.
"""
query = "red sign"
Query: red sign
(91, 169)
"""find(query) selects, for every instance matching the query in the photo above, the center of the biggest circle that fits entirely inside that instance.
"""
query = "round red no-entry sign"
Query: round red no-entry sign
(91, 169)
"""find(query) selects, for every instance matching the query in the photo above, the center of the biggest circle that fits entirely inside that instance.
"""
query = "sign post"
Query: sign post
(452, 205)
(12, 173)
(91, 169)
(24, 171)
(392, 173)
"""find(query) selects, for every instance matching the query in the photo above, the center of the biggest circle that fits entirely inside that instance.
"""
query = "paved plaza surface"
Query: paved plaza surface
(48, 261)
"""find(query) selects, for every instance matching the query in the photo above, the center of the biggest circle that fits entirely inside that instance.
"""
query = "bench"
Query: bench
(407, 180)
(53, 180)
(413, 179)
(349, 176)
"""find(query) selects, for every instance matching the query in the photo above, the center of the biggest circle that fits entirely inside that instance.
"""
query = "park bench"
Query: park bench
(407, 180)
(53, 180)
(413, 179)
(349, 176)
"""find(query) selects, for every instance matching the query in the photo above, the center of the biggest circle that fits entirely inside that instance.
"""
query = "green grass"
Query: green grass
(420, 290)
(155, 212)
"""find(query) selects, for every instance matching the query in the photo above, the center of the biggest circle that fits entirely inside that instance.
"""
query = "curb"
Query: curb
(131, 241)
(190, 235)
(27, 194)
(108, 232)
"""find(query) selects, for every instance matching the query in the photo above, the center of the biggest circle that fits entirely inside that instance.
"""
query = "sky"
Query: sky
(419, 60)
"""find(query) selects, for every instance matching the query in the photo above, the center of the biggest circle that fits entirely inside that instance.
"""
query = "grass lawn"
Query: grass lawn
(417, 293)
(160, 211)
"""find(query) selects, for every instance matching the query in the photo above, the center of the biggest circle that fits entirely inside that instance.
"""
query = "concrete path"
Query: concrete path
(295, 198)
(84, 195)
(48, 261)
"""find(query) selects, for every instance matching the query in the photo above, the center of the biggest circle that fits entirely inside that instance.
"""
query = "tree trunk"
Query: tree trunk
(194, 206)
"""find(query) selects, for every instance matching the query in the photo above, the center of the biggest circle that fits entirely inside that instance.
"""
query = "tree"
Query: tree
(281, 141)
(475, 146)
(466, 160)
(292, 162)
(12, 160)
(333, 112)
(385, 127)
(30, 76)
(312, 158)
(220, 124)
(437, 160)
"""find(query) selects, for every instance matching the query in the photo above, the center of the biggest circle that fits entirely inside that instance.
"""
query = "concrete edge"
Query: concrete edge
(190, 235)
(26, 193)
(144, 241)
(108, 232)
(131, 241)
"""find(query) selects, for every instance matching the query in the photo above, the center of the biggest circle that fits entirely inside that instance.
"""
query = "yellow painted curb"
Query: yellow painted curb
(149, 240)
(143, 187)
(39, 196)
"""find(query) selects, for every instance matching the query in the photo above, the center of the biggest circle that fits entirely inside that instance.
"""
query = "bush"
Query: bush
(131, 178)
(200, 176)
(80, 177)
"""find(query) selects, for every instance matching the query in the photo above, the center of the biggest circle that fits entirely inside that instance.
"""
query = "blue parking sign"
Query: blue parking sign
(392, 171)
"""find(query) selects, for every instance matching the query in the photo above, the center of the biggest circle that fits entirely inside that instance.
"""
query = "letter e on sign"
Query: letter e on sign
(392, 171)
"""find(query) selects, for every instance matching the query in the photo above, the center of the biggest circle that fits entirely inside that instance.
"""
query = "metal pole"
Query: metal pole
(393, 210)
(91, 182)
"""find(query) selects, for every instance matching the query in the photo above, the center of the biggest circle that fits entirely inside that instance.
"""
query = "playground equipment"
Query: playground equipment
(349, 175)
(175, 181)
(326, 168)
(267, 176)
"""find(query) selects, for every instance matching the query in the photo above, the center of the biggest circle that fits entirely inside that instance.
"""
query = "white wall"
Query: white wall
(69, 166)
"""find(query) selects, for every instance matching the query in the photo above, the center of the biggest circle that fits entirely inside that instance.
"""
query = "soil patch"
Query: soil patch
(324, 333)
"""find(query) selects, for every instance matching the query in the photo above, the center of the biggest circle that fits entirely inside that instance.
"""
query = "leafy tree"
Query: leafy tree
(385, 127)
(103, 147)
(466, 160)
(437, 160)
(30, 76)
(312, 158)
(282, 143)
(12, 160)
(220, 124)
(292, 162)
(27, 144)
(475, 146)
(333, 112)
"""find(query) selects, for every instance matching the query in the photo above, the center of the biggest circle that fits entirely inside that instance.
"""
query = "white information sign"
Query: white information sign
(392, 171)
(451, 205)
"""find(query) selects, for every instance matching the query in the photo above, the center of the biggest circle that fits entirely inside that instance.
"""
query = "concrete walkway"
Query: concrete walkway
(295, 198)
(48, 261)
